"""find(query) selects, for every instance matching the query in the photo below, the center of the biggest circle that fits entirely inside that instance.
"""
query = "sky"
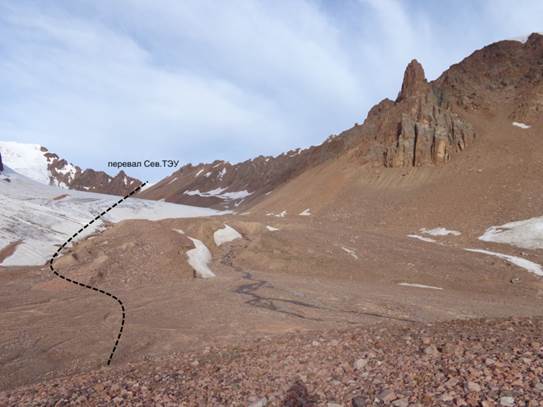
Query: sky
(133, 80)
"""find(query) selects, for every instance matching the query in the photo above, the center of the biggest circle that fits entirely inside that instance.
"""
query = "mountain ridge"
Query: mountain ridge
(39, 164)
(426, 125)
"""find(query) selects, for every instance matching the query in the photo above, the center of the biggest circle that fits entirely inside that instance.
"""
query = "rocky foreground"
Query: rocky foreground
(459, 363)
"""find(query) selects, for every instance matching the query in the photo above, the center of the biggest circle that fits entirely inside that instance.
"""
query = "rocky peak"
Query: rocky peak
(418, 129)
(535, 40)
(414, 81)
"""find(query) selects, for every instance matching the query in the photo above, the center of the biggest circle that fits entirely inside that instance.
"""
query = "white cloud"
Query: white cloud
(199, 80)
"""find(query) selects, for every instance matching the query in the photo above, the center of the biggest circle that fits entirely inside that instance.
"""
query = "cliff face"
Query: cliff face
(416, 129)
(425, 125)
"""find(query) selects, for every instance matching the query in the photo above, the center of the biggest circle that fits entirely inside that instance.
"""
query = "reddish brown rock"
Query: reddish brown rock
(427, 125)
(65, 174)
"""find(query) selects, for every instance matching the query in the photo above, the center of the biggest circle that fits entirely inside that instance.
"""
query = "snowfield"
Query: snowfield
(30, 160)
(424, 239)
(279, 215)
(521, 125)
(26, 159)
(199, 259)
(219, 193)
(527, 234)
(351, 252)
(439, 232)
(517, 261)
(225, 235)
(419, 286)
(43, 217)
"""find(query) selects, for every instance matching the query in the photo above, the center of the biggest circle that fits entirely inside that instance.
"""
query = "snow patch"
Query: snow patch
(517, 261)
(199, 259)
(439, 232)
(225, 235)
(236, 195)
(350, 251)
(69, 170)
(213, 192)
(521, 125)
(180, 231)
(424, 239)
(271, 228)
(172, 181)
(295, 152)
(219, 193)
(279, 215)
(305, 212)
(420, 286)
(527, 234)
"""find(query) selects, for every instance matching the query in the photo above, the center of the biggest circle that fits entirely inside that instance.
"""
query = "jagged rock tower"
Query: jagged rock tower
(417, 129)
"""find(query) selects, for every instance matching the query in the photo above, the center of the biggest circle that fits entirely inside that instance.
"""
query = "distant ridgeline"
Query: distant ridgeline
(39, 164)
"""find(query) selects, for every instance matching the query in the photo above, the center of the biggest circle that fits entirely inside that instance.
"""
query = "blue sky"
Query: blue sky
(201, 80)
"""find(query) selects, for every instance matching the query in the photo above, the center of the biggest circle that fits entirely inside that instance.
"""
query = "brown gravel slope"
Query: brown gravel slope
(458, 363)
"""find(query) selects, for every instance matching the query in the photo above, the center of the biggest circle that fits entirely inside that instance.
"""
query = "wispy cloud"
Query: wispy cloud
(199, 80)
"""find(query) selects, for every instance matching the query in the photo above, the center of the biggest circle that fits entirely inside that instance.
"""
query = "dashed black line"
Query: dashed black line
(56, 273)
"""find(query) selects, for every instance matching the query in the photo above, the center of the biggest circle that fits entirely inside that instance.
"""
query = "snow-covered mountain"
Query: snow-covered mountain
(37, 163)
(36, 218)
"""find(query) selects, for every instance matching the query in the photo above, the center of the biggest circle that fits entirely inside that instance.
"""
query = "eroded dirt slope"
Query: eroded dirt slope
(310, 274)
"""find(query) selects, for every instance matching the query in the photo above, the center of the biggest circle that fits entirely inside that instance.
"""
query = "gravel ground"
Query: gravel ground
(458, 363)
